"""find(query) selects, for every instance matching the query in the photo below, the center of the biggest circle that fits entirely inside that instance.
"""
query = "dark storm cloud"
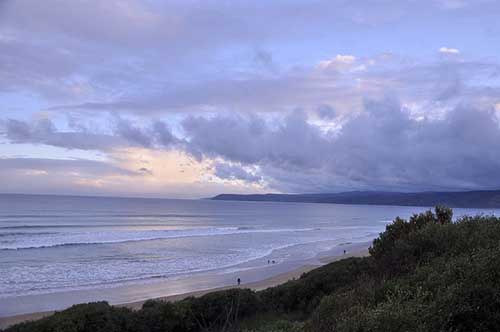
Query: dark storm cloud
(382, 148)
(164, 135)
(134, 135)
(326, 112)
(44, 132)
(385, 146)
(234, 172)
(250, 139)
(123, 134)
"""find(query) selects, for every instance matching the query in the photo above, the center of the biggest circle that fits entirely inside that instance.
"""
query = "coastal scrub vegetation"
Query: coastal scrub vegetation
(427, 273)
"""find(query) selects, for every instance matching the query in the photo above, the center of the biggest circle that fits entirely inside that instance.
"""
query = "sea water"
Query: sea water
(53, 244)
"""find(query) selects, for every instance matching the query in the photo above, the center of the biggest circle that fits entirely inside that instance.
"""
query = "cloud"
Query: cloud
(339, 62)
(46, 166)
(133, 134)
(150, 54)
(43, 131)
(235, 172)
(326, 112)
(448, 50)
(129, 172)
(264, 59)
(383, 148)
(296, 102)
(343, 86)
(345, 131)
(30, 66)
(461, 4)
(123, 134)
(145, 171)
(164, 135)
(290, 142)
(386, 146)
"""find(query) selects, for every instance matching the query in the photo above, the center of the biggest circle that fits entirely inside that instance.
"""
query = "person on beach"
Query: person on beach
(239, 281)
(345, 252)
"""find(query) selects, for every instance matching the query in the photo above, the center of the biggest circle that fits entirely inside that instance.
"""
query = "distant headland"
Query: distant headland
(457, 199)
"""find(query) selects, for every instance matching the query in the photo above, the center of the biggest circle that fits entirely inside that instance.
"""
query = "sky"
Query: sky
(190, 99)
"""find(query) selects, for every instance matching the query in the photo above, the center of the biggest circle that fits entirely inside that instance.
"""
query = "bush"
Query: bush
(91, 317)
(305, 293)
(397, 250)
(278, 326)
(436, 276)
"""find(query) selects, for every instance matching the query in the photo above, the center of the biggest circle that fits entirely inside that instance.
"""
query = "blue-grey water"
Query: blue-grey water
(51, 244)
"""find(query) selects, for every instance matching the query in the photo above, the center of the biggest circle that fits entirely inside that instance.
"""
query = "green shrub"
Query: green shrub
(91, 317)
(305, 293)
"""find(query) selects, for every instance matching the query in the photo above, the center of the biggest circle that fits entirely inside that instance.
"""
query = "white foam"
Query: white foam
(17, 241)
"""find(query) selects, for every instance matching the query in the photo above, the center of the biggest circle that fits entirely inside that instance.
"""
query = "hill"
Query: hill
(458, 199)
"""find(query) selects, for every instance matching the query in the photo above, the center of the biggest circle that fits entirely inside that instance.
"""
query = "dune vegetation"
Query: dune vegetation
(428, 273)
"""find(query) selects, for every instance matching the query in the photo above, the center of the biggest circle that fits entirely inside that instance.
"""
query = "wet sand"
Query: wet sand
(356, 251)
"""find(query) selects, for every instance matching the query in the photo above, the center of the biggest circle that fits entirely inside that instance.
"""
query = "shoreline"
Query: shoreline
(273, 281)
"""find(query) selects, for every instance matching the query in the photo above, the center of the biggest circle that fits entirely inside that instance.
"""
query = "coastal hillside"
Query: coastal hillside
(458, 199)
(423, 274)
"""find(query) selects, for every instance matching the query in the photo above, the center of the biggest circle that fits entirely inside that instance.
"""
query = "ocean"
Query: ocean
(60, 250)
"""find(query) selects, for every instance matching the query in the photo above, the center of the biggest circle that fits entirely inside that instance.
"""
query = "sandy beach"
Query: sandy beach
(358, 251)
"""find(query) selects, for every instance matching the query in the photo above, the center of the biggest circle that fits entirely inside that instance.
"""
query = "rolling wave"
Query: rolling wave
(104, 215)
(21, 241)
